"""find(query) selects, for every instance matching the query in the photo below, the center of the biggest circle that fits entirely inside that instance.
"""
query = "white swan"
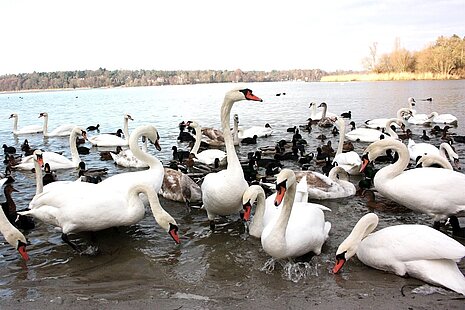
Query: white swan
(37, 157)
(259, 131)
(433, 160)
(444, 119)
(326, 119)
(11, 234)
(207, 156)
(265, 210)
(380, 123)
(57, 161)
(82, 206)
(372, 135)
(300, 228)
(349, 161)
(178, 186)
(222, 191)
(317, 115)
(153, 176)
(415, 250)
(335, 185)
(421, 119)
(419, 149)
(125, 158)
(107, 139)
(26, 129)
(60, 131)
(436, 192)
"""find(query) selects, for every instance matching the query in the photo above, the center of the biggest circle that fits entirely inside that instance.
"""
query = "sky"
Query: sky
(57, 35)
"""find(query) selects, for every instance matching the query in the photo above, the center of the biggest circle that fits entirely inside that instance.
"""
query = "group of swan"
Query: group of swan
(207, 156)
(372, 135)
(433, 117)
(288, 226)
(419, 149)
(62, 130)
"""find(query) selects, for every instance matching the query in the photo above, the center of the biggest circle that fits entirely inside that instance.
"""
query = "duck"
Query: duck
(441, 189)
(93, 128)
(179, 155)
(335, 185)
(49, 175)
(178, 186)
(9, 209)
(26, 148)
(349, 161)
(265, 209)
(420, 252)
(61, 131)
(106, 155)
(299, 229)
(347, 114)
(207, 156)
(425, 137)
(31, 129)
(457, 231)
(222, 191)
(82, 206)
(248, 140)
(384, 205)
(9, 149)
(11, 234)
(56, 161)
(380, 123)
(109, 139)
(92, 175)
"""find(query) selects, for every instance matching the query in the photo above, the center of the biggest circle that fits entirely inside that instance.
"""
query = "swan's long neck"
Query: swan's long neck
(152, 161)
(342, 134)
(75, 158)
(279, 229)
(45, 127)
(15, 124)
(161, 216)
(323, 114)
(7, 229)
(39, 180)
(361, 230)
(389, 130)
(235, 132)
(126, 128)
(313, 110)
(446, 148)
(233, 160)
(256, 228)
(399, 166)
(198, 139)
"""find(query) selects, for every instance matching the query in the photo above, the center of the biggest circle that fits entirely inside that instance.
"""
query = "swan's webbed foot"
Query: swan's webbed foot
(65, 238)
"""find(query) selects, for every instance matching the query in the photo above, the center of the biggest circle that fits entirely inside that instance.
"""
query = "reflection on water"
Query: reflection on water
(223, 267)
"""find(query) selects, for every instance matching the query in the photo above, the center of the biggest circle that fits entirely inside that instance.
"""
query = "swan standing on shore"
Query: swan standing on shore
(60, 131)
(222, 191)
(57, 161)
(26, 129)
(299, 229)
(435, 192)
(415, 250)
(107, 139)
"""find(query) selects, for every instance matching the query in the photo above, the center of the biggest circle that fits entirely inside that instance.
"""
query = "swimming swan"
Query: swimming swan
(107, 139)
(436, 192)
(207, 156)
(60, 131)
(26, 129)
(349, 161)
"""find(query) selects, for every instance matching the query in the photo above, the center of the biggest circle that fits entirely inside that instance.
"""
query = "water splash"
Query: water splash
(293, 271)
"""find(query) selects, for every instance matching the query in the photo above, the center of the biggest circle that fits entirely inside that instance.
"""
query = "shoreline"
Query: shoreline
(401, 76)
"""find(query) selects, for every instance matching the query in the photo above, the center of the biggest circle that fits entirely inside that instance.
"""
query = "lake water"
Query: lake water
(142, 265)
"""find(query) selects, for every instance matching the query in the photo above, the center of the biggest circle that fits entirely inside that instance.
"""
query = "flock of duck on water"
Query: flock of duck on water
(286, 223)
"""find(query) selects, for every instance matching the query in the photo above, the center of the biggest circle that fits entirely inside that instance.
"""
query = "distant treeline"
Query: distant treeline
(129, 78)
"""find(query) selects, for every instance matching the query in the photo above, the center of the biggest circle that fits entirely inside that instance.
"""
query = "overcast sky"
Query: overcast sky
(46, 35)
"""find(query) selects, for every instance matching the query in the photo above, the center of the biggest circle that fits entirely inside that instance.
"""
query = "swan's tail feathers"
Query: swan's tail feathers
(25, 212)
(114, 156)
(442, 272)
(327, 229)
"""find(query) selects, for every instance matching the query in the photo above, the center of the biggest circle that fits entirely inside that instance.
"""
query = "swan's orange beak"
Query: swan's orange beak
(339, 263)
(22, 251)
(247, 210)
(40, 160)
(249, 96)
(174, 233)
(281, 190)
(365, 162)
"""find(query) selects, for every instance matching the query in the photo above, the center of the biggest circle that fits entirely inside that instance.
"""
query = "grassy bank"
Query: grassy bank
(393, 76)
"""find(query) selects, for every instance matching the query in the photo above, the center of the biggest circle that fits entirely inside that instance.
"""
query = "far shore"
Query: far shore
(399, 76)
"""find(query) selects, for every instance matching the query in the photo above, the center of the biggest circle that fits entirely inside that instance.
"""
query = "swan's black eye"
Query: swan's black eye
(245, 91)
(281, 185)
(341, 255)
(365, 157)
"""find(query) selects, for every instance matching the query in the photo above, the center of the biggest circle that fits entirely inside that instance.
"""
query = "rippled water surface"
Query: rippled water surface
(221, 269)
